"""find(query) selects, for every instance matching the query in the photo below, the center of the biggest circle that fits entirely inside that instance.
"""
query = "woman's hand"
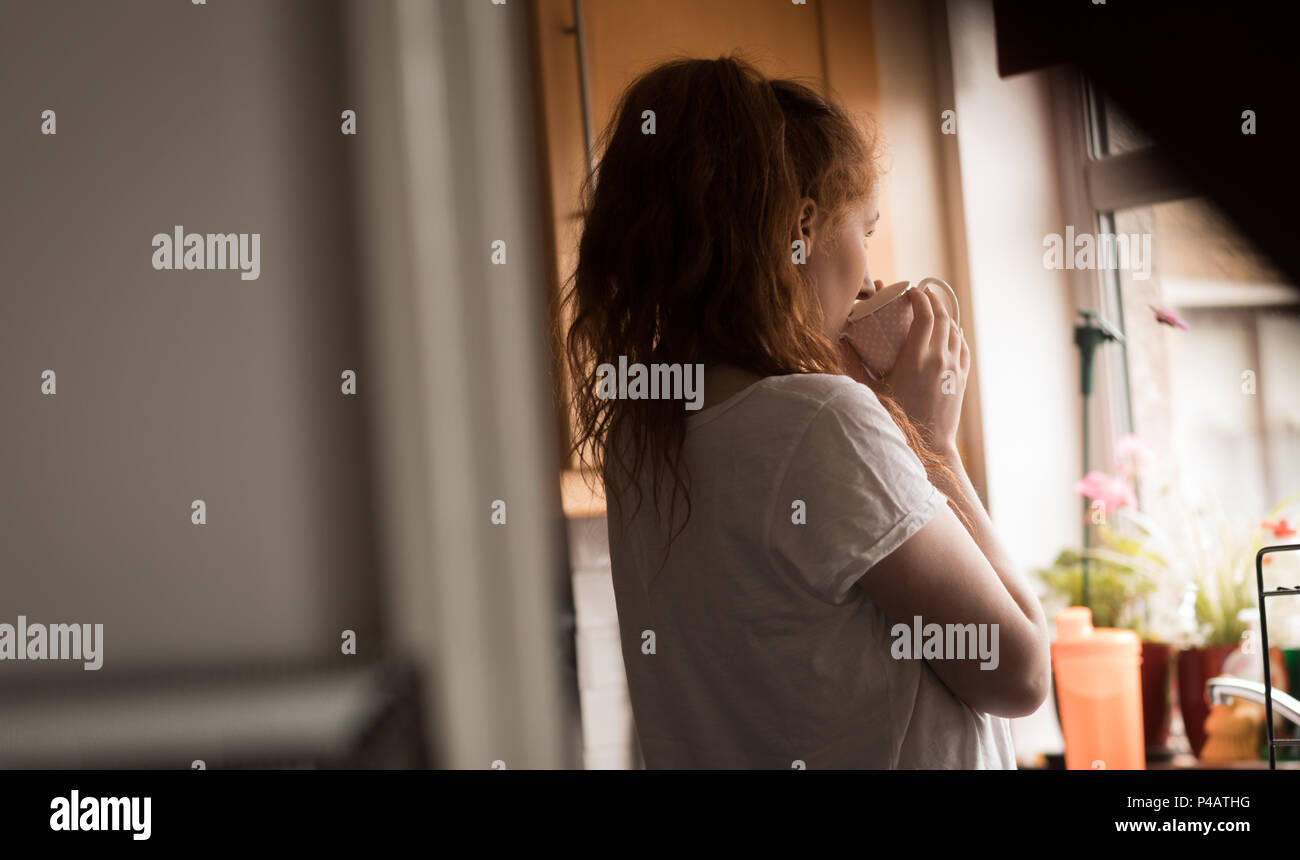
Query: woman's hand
(929, 379)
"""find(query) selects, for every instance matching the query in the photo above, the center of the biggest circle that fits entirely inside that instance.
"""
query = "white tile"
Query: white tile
(600, 659)
(606, 717)
(609, 757)
(593, 597)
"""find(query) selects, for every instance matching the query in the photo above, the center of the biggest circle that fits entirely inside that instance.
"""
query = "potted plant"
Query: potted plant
(1181, 589)
(1124, 573)
(1127, 570)
(1221, 563)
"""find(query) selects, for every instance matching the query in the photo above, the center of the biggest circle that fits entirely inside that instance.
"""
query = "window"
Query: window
(1219, 396)
(1216, 400)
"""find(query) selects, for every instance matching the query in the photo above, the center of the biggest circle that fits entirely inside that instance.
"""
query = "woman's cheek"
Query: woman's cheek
(857, 274)
(862, 275)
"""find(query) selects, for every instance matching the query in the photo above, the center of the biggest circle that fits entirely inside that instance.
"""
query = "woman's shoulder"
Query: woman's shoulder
(796, 401)
(816, 391)
(828, 408)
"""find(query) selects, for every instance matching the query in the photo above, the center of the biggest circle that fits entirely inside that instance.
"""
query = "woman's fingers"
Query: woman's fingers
(942, 319)
(918, 336)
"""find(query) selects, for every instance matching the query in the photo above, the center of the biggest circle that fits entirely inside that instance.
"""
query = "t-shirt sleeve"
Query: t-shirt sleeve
(864, 492)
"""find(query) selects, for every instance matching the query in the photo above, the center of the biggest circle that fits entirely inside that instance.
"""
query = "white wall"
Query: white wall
(1023, 314)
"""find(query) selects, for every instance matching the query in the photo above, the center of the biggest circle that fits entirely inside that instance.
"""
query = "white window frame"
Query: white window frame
(1093, 187)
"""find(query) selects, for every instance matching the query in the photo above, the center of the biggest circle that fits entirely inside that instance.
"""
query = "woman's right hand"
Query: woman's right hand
(929, 378)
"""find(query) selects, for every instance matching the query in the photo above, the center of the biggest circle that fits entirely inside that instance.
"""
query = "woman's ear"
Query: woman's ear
(807, 227)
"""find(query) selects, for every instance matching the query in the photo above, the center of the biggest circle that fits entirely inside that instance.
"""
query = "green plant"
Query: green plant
(1187, 584)
(1223, 573)
(1121, 572)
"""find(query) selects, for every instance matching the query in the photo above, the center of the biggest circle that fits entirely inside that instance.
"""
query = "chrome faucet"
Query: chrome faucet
(1223, 688)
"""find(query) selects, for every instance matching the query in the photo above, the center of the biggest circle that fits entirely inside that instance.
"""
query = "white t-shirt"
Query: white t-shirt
(764, 654)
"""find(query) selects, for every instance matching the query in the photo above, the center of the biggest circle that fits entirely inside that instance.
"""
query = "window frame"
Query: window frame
(1093, 187)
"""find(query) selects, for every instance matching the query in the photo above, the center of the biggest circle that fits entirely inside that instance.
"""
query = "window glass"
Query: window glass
(1218, 400)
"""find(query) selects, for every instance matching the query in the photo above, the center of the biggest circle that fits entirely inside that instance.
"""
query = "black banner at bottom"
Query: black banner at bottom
(328, 809)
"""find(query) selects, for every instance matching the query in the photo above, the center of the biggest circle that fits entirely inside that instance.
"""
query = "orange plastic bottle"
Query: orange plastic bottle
(1098, 674)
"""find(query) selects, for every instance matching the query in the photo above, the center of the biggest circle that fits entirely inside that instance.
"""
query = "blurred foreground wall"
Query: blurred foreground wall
(323, 511)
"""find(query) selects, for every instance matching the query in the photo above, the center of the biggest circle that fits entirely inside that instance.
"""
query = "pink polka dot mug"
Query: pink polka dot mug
(878, 325)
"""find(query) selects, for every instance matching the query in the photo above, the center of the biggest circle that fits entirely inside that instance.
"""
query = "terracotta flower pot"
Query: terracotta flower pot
(1157, 663)
(1195, 667)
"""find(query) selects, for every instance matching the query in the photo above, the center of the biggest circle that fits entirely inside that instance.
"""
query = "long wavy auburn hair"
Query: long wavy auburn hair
(685, 256)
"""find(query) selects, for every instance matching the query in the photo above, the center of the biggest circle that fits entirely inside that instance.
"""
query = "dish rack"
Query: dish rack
(1282, 591)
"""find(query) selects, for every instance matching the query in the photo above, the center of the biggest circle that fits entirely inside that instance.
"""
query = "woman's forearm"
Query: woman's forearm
(981, 529)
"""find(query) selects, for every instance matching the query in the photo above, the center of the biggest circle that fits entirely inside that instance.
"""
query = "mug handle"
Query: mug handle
(955, 305)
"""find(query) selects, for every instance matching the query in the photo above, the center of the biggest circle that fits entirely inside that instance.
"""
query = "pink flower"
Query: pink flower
(1280, 529)
(1133, 445)
(1169, 317)
(1113, 493)
(1132, 451)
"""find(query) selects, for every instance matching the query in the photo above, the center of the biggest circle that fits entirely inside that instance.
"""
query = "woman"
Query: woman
(765, 547)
